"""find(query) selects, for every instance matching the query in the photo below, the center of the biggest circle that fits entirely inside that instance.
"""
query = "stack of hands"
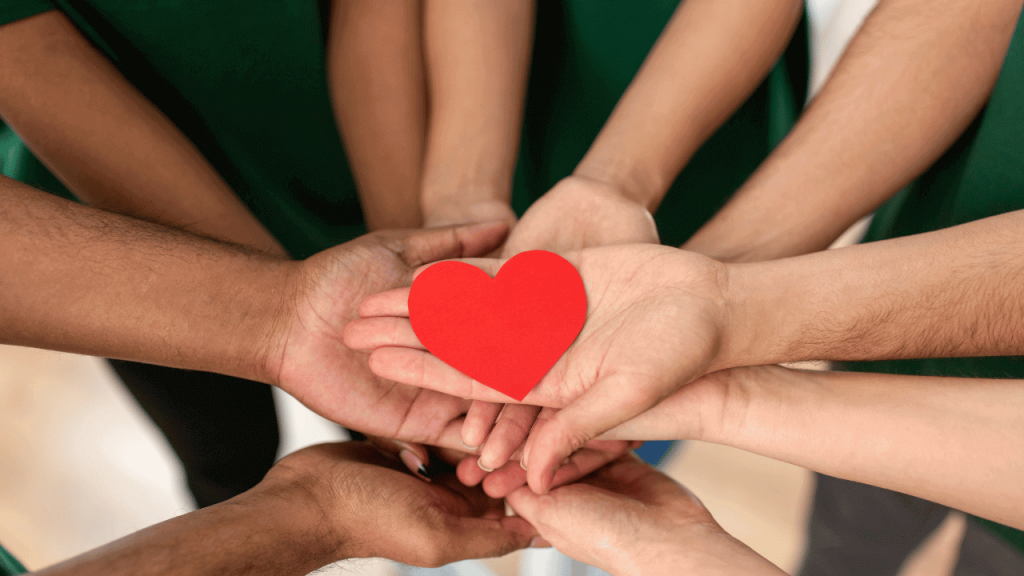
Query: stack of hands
(675, 346)
(587, 496)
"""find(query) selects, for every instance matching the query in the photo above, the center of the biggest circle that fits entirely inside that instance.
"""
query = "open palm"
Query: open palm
(314, 365)
(653, 324)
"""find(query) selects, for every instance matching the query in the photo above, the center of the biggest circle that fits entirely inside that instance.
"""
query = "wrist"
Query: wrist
(687, 548)
(630, 181)
(276, 297)
(467, 204)
(759, 309)
(297, 520)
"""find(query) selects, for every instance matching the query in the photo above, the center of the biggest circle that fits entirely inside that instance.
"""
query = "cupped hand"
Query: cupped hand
(581, 213)
(373, 509)
(576, 213)
(309, 360)
(628, 518)
(656, 321)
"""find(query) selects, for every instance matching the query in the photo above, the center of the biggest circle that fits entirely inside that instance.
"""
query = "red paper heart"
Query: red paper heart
(505, 332)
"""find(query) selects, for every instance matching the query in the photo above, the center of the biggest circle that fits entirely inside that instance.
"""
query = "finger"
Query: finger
(479, 421)
(486, 537)
(511, 476)
(424, 370)
(585, 462)
(504, 480)
(526, 504)
(372, 333)
(391, 303)
(612, 401)
(423, 246)
(511, 429)
(469, 473)
(489, 265)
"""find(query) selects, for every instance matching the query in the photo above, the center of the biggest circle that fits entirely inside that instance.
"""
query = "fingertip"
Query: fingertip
(393, 302)
(469, 473)
(350, 335)
(501, 482)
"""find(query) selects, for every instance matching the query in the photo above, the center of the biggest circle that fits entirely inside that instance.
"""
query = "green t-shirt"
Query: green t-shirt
(981, 175)
(246, 82)
(9, 565)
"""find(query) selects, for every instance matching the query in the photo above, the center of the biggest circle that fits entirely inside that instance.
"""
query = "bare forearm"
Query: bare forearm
(709, 59)
(82, 280)
(244, 536)
(944, 439)
(378, 89)
(105, 141)
(949, 293)
(478, 55)
(909, 84)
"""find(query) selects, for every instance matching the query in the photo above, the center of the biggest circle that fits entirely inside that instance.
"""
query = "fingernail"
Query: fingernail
(482, 467)
(468, 446)
(522, 463)
(414, 464)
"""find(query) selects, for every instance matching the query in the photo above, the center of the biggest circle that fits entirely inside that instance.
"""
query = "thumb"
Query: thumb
(489, 265)
(610, 402)
(422, 246)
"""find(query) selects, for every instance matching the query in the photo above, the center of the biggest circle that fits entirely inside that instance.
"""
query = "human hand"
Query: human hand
(449, 211)
(504, 480)
(367, 508)
(581, 213)
(306, 355)
(657, 320)
(628, 518)
(576, 213)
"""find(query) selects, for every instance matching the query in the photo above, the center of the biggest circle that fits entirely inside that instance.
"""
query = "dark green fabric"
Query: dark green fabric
(9, 565)
(11, 10)
(981, 175)
(246, 82)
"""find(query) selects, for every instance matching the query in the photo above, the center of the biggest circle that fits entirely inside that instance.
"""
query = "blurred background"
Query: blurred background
(81, 465)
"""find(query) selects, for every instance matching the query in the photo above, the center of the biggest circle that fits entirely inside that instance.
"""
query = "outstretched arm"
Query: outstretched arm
(911, 81)
(105, 141)
(707, 61)
(79, 279)
(709, 58)
(477, 59)
(297, 520)
(88, 281)
(379, 94)
(949, 440)
(661, 317)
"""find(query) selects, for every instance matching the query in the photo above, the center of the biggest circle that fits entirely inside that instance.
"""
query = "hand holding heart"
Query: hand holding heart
(306, 356)
(654, 323)
(576, 213)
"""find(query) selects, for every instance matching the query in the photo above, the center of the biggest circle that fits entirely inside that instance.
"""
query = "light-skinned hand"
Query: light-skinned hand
(576, 213)
(630, 519)
(656, 321)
